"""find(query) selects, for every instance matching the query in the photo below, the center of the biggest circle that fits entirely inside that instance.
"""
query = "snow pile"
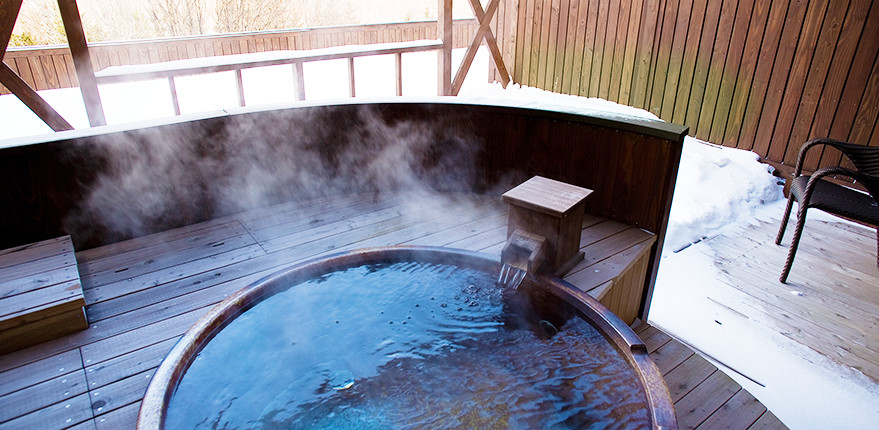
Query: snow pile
(716, 186)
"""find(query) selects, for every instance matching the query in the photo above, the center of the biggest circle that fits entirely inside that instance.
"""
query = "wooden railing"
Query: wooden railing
(237, 62)
(763, 75)
(52, 67)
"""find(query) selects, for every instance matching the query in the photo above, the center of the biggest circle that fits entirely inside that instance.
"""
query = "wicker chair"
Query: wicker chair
(813, 192)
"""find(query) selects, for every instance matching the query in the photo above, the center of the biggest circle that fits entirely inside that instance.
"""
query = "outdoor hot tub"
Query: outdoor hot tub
(407, 337)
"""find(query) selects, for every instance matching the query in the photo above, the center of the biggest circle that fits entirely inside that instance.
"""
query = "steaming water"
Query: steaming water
(405, 345)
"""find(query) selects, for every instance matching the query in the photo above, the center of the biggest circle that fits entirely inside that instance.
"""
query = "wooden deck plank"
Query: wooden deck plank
(20, 377)
(38, 280)
(65, 414)
(741, 411)
(700, 403)
(687, 376)
(124, 366)
(768, 421)
(121, 418)
(818, 299)
(120, 393)
(383, 219)
(240, 274)
(134, 265)
(20, 305)
(106, 348)
(159, 277)
(60, 389)
(652, 337)
(670, 355)
(586, 276)
(488, 238)
(157, 239)
(34, 251)
(150, 250)
(460, 232)
(600, 231)
(304, 216)
(615, 244)
(36, 266)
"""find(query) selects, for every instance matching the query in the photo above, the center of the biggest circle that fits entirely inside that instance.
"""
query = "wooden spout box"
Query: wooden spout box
(551, 209)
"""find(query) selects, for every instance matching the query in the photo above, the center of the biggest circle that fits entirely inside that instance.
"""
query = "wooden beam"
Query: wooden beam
(84, 72)
(8, 15)
(484, 32)
(444, 33)
(32, 100)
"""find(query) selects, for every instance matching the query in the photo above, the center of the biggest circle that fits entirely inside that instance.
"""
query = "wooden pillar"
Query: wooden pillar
(8, 14)
(444, 33)
(82, 61)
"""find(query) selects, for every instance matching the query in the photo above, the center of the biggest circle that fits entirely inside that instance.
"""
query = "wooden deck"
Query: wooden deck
(142, 294)
(831, 300)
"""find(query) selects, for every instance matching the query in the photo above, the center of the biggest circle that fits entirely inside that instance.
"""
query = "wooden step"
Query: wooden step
(40, 294)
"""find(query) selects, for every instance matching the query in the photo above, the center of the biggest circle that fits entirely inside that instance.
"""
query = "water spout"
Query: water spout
(523, 253)
(510, 276)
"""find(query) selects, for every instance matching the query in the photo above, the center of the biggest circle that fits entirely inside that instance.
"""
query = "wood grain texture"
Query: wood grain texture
(751, 74)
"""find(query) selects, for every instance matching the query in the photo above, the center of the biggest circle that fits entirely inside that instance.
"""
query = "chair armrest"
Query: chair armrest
(843, 147)
(811, 144)
(834, 171)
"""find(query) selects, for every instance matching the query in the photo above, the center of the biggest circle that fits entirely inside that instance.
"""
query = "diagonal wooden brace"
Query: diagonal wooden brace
(483, 17)
(31, 99)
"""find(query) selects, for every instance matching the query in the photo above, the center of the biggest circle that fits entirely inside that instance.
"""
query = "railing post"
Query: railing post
(444, 33)
(175, 101)
(299, 80)
(239, 85)
(81, 60)
(351, 91)
(398, 62)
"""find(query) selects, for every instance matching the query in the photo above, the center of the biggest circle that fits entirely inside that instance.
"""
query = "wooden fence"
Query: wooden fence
(52, 67)
(763, 75)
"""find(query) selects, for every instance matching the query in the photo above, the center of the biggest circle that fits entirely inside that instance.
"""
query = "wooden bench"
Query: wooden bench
(237, 62)
(40, 294)
(614, 266)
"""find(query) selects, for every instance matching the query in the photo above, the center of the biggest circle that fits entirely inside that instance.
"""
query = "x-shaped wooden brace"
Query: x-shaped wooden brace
(9, 10)
(483, 17)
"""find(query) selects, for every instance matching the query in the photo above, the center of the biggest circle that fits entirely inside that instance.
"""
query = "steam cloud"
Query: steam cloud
(155, 179)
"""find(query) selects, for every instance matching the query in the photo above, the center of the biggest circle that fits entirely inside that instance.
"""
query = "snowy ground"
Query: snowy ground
(804, 389)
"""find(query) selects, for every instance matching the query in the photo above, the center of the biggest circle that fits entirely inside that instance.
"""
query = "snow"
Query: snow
(718, 190)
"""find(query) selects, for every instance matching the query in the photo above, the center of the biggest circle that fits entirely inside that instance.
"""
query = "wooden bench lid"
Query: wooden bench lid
(547, 196)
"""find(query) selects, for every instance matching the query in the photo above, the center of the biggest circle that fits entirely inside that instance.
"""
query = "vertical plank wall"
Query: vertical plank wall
(762, 75)
(52, 67)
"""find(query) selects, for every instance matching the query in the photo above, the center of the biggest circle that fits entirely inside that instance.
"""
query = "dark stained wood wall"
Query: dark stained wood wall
(46, 68)
(762, 75)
